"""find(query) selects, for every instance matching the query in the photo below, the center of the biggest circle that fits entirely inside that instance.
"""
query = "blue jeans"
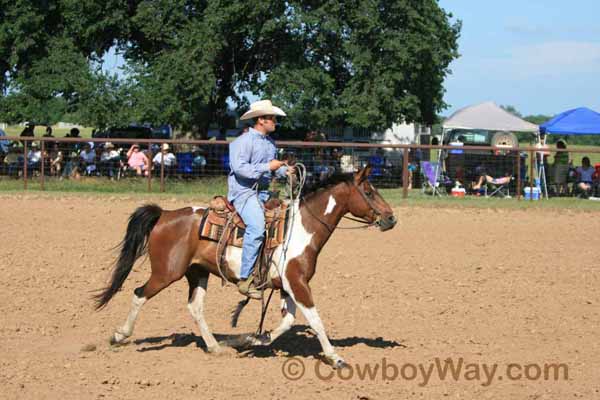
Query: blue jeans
(253, 216)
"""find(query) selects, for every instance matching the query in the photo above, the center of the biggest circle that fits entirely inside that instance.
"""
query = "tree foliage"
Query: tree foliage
(329, 63)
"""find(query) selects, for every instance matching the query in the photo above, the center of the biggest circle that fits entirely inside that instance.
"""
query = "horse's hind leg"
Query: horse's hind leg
(198, 281)
(288, 311)
(123, 332)
(140, 295)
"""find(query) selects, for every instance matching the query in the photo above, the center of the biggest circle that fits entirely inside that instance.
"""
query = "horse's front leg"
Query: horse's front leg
(302, 296)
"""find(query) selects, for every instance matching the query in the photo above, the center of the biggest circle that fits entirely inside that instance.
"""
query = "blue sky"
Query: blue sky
(543, 57)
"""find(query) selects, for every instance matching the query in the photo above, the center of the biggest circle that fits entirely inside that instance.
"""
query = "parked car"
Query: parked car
(135, 132)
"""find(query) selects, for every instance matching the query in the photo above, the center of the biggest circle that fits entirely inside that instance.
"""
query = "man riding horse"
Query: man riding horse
(253, 162)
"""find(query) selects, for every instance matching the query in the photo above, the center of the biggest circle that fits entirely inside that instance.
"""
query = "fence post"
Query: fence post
(25, 165)
(149, 168)
(405, 172)
(531, 178)
(43, 165)
(162, 170)
(518, 175)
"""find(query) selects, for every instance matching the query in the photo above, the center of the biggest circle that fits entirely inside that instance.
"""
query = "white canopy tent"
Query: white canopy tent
(484, 116)
(488, 116)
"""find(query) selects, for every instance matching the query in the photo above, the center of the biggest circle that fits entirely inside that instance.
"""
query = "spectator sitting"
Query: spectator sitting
(34, 157)
(137, 160)
(490, 179)
(56, 160)
(378, 163)
(585, 178)
(110, 159)
(167, 158)
(199, 161)
(88, 159)
(13, 161)
(4, 144)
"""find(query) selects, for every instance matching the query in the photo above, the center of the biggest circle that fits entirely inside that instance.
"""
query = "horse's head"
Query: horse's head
(366, 202)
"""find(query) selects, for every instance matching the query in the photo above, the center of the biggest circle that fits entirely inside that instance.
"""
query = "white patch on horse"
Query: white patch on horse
(330, 205)
(126, 330)
(297, 239)
(314, 320)
(233, 256)
(194, 209)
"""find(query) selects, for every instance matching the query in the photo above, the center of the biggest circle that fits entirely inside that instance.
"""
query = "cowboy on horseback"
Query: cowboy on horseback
(253, 162)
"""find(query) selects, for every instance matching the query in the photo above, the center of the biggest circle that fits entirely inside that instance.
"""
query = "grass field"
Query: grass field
(202, 190)
(15, 130)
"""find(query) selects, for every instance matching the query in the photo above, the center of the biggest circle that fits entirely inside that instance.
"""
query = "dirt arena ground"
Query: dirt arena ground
(481, 286)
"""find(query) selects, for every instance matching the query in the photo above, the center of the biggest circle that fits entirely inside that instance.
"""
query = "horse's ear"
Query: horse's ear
(363, 174)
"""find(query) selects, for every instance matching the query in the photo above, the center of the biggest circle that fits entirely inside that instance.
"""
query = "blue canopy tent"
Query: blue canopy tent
(578, 121)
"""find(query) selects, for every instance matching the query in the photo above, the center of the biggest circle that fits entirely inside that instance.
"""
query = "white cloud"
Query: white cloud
(548, 60)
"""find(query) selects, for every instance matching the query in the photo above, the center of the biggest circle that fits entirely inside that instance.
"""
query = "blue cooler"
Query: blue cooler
(535, 193)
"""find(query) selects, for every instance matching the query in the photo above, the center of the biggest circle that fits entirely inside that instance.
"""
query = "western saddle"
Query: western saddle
(221, 223)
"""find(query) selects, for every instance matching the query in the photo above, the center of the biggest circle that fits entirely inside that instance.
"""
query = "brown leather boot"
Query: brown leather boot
(246, 288)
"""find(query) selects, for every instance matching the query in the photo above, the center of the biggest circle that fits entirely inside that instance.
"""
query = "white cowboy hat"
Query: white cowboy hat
(260, 108)
(109, 145)
(165, 146)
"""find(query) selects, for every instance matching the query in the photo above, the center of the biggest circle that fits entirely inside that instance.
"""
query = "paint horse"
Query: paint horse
(171, 240)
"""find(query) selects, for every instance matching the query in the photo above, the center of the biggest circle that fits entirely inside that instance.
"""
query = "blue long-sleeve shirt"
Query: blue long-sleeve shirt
(249, 157)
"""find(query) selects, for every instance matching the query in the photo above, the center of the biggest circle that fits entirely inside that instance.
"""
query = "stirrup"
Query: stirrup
(246, 288)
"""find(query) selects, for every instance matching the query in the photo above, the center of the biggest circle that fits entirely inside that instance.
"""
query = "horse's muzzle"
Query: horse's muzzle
(386, 222)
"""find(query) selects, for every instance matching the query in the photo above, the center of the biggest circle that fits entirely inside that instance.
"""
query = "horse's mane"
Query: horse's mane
(327, 183)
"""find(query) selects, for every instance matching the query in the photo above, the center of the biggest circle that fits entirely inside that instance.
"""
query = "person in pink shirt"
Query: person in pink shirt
(137, 160)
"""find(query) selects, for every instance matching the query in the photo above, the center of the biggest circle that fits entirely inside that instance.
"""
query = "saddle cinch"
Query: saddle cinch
(221, 223)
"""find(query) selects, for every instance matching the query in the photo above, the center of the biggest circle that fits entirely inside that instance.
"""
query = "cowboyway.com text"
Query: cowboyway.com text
(423, 373)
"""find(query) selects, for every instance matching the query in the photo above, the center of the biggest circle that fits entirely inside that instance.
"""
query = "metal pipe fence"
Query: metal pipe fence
(418, 170)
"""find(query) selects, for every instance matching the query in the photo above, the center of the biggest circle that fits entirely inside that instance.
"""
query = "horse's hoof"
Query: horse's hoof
(117, 339)
(337, 362)
(340, 364)
(263, 339)
(216, 349)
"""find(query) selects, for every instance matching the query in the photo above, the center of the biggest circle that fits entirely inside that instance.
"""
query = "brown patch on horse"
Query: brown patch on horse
(296, 276)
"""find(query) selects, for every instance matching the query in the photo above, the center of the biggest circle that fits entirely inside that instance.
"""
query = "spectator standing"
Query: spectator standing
(48, 132)
(561, 167)
(28, 130)
(70, 152)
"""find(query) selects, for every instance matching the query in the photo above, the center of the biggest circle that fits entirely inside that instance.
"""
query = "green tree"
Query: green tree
(363, 63)
(512, 109)
(537, 119)
(329, 63)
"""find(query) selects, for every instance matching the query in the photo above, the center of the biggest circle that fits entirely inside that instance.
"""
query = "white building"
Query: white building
(397, 134)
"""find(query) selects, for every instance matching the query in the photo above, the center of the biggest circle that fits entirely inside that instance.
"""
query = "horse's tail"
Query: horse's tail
(133, 246)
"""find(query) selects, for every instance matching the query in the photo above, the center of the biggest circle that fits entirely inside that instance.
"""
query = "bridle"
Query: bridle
(367, 224)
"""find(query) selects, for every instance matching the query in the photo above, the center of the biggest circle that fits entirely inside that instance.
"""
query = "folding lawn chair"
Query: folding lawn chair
(431, 178)
(497, 186)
